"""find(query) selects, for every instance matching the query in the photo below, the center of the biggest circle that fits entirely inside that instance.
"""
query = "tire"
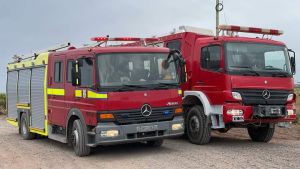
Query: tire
(155, 143)
(24, 128)
(198, 126)
(261, 134)
(79, 140)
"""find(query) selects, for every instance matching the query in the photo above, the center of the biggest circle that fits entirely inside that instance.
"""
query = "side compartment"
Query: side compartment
(12, 96)
(38, 101)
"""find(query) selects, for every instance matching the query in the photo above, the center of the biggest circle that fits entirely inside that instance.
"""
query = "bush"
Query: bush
(3, 103)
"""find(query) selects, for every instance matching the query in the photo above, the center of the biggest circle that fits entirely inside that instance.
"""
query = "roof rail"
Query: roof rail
(19, 58)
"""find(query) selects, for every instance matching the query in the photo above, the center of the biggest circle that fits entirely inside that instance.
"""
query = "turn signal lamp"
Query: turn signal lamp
(106, 116)
(178, 111)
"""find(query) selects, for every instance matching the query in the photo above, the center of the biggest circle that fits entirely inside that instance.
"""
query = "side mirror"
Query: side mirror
(181, 63)
(292, 55)
(76, 76)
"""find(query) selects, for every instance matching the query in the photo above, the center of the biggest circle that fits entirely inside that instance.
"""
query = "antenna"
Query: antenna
(219, 8)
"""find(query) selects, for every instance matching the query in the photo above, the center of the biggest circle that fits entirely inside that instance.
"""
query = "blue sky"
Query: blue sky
(31, 25)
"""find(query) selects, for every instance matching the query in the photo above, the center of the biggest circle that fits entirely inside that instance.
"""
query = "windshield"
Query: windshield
(257, 59)
(135, 69)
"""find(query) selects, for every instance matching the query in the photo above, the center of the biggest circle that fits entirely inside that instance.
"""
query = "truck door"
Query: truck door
(208, 71)
(56, 90)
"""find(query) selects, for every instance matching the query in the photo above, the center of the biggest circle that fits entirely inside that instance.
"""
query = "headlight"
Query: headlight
(290, 97)
(236, 95)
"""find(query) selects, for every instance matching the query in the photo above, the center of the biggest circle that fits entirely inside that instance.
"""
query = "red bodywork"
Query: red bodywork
(60, 106)
(217, 86)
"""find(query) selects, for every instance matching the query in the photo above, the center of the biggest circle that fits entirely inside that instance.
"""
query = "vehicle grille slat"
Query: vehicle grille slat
(254, 96)
(135, 116)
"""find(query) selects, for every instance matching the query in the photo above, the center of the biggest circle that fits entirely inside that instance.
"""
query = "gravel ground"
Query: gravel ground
(231, 150)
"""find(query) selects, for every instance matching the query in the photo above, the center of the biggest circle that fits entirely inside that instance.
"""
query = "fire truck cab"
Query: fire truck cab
(97, 95)
(234, 81)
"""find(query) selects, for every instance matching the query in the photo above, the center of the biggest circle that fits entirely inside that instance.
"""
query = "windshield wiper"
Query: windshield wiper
(162, 85)
(280, 74)
(128, 87)
(251, 73)
(247, 71)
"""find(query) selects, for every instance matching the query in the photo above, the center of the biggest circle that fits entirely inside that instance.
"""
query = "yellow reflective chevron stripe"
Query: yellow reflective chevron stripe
(94, 95)
(78, 93)
(56, 92)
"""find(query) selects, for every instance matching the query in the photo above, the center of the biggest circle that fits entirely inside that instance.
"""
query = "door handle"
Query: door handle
(200, 82)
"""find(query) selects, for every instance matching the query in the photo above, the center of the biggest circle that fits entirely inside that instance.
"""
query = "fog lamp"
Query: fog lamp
(177, 126)
(110, 133)
(235, 112)
(291, 112)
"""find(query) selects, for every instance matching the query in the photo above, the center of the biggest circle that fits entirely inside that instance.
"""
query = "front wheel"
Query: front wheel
(261, 134)
(198, 126)
(79, 140)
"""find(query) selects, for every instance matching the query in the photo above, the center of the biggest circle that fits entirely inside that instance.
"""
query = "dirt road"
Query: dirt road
(223, 152)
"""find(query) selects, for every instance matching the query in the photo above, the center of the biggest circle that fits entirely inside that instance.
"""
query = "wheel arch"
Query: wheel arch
(197, 98)
(73, 115)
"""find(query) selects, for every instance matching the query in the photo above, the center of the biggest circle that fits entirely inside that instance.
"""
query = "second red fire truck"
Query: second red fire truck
(234, 81)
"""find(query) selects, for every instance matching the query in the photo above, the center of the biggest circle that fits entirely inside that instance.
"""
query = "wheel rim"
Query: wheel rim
(24, 128)
(194, 125)
(75, 138)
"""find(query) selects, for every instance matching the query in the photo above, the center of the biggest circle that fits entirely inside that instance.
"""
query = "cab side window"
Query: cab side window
(175, 45)
(69, 70)
(86, 72)
(211, 58)
(58, 72)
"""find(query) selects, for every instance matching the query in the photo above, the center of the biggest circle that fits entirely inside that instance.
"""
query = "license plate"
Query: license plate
(146, 128)
(275, 111)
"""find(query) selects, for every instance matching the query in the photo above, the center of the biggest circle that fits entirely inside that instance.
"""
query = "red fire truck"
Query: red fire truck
(234, 81)
(97, 95)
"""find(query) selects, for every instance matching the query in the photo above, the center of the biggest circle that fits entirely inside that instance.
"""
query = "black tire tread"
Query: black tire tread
(205, 134)
(261, 134)
(83, 149)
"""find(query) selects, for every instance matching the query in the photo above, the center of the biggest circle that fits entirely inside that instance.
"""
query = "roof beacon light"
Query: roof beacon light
(250, 30)
(103, 39)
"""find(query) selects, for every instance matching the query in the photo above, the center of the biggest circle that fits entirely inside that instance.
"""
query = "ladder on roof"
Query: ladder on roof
(19, 58)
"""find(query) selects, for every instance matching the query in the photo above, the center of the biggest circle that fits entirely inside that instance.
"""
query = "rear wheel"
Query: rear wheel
(198, 126)
(261, 134)
(155, 143)
(24, 128)
(79, 140)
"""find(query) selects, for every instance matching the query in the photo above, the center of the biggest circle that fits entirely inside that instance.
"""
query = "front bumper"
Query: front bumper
(135, 132)
(252, 114)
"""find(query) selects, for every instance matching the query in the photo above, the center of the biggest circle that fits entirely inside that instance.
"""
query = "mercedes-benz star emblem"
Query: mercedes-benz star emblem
(146, 110)
(266, 94)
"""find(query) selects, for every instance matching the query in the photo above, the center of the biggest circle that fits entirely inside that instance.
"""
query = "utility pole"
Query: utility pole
(218, 8)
